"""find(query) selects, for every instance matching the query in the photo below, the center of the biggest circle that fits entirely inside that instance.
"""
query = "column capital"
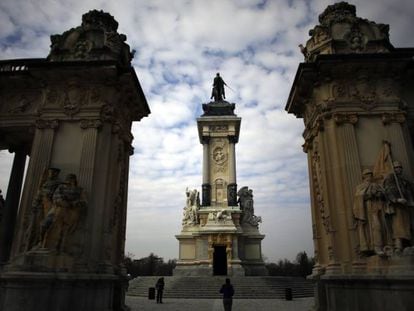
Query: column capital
(46, 124)
(341, 118)
(395, 117)
(88, 123)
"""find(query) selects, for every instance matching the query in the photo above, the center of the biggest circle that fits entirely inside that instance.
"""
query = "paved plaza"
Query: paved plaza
(143, 304)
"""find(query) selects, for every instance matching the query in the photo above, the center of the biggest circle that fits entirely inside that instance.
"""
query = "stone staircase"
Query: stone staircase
(250, 287)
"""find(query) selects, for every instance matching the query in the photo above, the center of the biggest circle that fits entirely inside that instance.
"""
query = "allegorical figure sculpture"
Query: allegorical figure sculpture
(368, 211)
(218, 88)
(68, 205)
(400, 200)
(246, 206)
(41, 206)
(191, 208)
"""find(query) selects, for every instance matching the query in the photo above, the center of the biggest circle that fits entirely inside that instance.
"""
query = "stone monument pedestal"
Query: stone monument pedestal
(220, 237)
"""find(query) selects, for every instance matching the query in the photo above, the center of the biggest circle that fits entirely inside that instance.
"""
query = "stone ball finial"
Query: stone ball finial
(95, 19)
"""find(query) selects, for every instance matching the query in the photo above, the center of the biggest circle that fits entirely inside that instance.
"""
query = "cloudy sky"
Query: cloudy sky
(180, 46)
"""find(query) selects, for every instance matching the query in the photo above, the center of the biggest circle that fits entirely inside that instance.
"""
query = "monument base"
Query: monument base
(377, 283)
(369, 292)
(31, 291)
(192, 270)
(255, 269)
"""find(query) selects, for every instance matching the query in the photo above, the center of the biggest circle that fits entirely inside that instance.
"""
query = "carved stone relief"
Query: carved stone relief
(219, 155)
(218, 128)
(381, 207)
(57, 211)
(363, 89)
(318, 188)
(17, 102)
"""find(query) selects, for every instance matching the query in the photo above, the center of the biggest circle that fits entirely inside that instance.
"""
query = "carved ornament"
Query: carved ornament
(316, 175)
(46, 124)
(73, 99)
(96, 39)
(341, 118)
(341, 31)
(388, 118)
(218, 128)
(85, 124)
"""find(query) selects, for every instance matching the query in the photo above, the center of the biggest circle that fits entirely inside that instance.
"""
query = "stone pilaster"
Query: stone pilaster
(351, 174)
(38, 163)
(206, 186)
(232, 186)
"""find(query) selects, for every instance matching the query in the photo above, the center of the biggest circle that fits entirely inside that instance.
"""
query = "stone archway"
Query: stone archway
(72, 114)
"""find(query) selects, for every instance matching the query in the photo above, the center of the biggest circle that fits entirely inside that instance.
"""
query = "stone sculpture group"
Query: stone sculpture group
(245, 202)
(56, 212)
(382, 212)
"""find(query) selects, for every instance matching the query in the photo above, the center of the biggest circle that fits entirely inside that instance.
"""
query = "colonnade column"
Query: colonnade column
(206, 186)
(232, 186)
(8, 221)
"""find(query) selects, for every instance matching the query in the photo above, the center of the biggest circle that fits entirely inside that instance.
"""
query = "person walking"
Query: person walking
(228, 291)
(160, 288)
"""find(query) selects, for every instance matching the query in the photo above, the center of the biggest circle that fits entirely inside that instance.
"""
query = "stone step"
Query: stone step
(208, 287)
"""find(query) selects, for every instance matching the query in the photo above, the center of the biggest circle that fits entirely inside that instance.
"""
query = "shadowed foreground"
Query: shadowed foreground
(143, 304)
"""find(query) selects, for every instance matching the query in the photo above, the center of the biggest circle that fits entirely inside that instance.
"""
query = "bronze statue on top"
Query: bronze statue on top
(218, 88)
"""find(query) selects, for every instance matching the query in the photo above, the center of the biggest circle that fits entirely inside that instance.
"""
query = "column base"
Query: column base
(31, 291)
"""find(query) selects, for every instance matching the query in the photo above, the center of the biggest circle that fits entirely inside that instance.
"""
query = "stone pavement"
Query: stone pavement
(143, 304)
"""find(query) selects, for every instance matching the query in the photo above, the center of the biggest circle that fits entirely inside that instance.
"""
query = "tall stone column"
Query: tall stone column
(8, 221)
(232, 186)
(86, 174)
(206, 186)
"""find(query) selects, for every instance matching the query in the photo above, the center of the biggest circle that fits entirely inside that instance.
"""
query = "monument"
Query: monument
(355, 94)
(220, 236)
(62, 246)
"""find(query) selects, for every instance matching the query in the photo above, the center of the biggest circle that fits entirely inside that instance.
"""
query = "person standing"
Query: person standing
(228, 291)
(160, 288)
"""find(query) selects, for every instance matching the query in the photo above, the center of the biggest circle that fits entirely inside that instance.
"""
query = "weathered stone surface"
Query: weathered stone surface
(340, 32)
(355, 100)
(220, 225)
(72, 111)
